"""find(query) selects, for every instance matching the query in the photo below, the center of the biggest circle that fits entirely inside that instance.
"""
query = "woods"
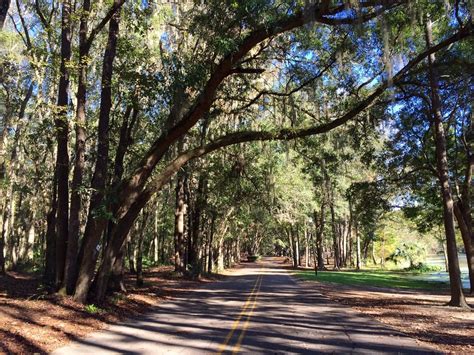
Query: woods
(191, 133)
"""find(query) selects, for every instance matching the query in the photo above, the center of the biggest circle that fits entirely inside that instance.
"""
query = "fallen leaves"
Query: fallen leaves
(32, 322)
(417, 313)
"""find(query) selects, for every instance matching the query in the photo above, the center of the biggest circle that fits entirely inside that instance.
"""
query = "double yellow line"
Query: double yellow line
(247, 311)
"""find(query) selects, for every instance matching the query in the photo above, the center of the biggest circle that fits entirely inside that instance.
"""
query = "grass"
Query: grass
(372, 278)
(93, 309)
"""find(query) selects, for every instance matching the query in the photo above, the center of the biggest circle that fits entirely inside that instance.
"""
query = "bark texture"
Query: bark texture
(457, 295)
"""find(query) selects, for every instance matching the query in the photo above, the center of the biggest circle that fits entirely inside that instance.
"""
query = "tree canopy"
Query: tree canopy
(191, 132)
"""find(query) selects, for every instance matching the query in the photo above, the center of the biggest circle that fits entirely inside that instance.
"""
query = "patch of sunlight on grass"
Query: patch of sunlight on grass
(378, 278)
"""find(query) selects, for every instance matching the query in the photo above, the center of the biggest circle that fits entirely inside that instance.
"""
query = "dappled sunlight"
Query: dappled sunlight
(200, 319)
(173, 171)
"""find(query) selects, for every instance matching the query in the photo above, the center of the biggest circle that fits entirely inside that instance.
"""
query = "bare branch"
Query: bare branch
(27, 39)
(132, 187)
(102, 23)
(288, 93)
(41, 15)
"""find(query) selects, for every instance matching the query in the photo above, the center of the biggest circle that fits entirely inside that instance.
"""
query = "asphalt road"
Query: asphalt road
(258, 309)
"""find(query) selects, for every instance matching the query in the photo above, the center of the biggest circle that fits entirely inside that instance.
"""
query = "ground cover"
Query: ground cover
(414, 307)
(31, 321)
(396, 279)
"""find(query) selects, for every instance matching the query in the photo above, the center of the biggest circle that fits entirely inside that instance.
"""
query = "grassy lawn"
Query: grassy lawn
(371, 278)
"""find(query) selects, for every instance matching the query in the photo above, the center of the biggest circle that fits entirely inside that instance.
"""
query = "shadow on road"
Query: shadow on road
(287, 318)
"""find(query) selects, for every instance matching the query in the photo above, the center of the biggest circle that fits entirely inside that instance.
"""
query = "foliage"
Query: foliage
(423, 268)
(271, 126)
(408, 252)
(93, 309)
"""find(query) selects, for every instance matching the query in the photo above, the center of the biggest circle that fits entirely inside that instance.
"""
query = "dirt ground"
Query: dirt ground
(418, 313)
(32, 321)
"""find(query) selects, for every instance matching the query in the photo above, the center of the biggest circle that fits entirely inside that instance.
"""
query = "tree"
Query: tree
(174, 84)
(4, 6)
(457, 296)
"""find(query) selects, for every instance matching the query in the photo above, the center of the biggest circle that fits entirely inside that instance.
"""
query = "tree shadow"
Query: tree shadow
(286, 318)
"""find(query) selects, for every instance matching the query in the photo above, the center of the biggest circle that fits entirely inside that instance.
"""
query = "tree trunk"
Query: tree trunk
(71, 266)
(445, 255)
(237, 249)
(97, 218)
(306, 248)
(466, 235)
(211, 240)
(349, 234)
(374, 260)
(365, 248)
(358, 256)
(156, 240)
(297, 246)
(344, 247)
(125, 140)
(337, 262)
(315, 254)
(221, 232)
(119, 236)
(62, 155)
(131, 256)
(382, 259)
(291, 243)
(319, 237)
(462, 208)
(220, 254)
(139, 259)
(50, 257)
(457, 295)
(195, 232)
(179, 227)
(116, 282)
(113, 249)
(162, 246)
(7, 213)
(2, 246)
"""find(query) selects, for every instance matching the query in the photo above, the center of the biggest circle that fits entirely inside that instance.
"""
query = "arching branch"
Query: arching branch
(203, 102)
(288, 134)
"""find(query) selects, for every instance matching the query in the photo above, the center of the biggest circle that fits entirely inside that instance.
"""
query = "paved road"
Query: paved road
(259, 309)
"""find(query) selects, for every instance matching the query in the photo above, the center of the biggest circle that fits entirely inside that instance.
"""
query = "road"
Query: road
(260, 308)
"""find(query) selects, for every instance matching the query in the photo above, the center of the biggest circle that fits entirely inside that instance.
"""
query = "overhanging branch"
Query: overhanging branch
(103, 22)
(202, 104)
(288, 134)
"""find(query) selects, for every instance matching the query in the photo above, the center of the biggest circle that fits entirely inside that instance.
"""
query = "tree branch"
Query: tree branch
(288, 134)
(288, 93)
(27, 39)
(115, 7)
(300, 17)
(40, 15)
(132, 188)
(240, 70)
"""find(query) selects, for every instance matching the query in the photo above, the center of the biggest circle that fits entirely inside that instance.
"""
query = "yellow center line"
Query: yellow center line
(246, 324)
(223, 346)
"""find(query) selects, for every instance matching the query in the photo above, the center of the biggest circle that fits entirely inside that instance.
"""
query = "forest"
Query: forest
(336, 133)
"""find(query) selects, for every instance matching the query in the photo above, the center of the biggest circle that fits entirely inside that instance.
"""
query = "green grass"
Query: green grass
(93, 309)
(372, 278)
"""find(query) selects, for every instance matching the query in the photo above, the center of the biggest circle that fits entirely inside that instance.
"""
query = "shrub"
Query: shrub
(253, 258)
(422, 267)
(93, 309)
